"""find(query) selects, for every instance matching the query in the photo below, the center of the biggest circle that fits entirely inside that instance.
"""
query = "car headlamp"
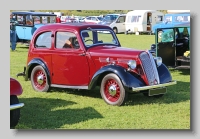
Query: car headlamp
(158, 61)
(132, 64)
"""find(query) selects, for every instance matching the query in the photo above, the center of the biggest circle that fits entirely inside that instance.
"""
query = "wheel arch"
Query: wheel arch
(115, 28)
(164, 74)
(128, 80)
(36, 62)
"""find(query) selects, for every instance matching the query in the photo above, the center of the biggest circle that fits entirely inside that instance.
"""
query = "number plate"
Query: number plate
(157, 91)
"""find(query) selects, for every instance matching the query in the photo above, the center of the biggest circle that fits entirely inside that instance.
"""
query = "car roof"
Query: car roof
(171, 14)
(76, 26)
(33, 13)
(187, 24)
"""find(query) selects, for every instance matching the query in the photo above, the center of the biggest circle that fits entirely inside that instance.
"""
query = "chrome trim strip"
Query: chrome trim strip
(153, 86)
(16, 106)
(65, 86)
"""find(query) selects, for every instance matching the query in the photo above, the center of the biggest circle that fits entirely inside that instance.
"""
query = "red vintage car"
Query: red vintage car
(83, 56)
(15, 105)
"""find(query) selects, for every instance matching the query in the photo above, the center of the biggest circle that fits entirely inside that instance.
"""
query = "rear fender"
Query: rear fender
(34, 63)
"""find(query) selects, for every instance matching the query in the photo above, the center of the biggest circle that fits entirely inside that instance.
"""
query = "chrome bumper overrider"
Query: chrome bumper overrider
(153, 86)
(16, 106)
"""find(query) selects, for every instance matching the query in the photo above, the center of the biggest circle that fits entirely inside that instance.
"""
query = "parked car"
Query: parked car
(93, 59)
(15, 105)
(115, 21)
(173, 45)
(170, 20)
(29, 21)
(93, 19)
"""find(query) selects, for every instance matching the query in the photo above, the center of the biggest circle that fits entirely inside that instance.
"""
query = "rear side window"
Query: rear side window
(43, 40)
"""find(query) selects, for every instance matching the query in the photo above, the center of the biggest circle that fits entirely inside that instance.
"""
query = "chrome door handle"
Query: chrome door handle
(82, 54)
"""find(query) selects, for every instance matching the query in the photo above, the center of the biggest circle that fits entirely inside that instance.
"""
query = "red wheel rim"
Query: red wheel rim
(39, 79)
(112, 90)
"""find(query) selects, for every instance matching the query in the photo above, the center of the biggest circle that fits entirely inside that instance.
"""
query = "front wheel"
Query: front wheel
(115, 30)
(39, 79)
(14, 114)
(112, 90)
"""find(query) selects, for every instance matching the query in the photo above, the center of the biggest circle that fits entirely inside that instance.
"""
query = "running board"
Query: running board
(72, 87)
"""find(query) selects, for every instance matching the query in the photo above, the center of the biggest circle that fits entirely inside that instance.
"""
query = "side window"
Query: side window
(167, 35)
(160, 18)
(93, 19)
(88, 18)
(20, 20)
(29, 20)
(43, 40)
(37, 19)
(121, 19)
(66, 40)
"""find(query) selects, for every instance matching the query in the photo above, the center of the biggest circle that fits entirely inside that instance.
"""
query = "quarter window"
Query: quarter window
(43, 40)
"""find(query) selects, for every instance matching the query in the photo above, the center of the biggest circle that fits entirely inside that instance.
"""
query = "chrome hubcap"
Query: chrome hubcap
(112, 90)
(40, 79)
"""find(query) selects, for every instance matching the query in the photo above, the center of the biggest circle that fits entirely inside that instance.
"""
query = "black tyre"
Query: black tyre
(115, 30)
(39, 79)
(14, 114)
(112, 90)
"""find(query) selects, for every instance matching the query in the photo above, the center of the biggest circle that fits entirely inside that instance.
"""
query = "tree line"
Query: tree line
(88, 12)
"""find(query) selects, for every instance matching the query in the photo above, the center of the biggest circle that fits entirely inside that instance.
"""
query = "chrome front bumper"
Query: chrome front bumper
(16, 106)
(153, 86)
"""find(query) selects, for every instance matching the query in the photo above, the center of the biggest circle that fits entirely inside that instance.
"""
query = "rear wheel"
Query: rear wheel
(14, 114)
(39, 79)
(112, 90)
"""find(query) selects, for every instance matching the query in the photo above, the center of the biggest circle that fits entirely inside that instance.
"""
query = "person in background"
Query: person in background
(58, 20)
(13, 35)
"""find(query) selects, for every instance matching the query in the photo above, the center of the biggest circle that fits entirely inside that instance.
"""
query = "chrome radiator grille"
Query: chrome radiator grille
(149, 67)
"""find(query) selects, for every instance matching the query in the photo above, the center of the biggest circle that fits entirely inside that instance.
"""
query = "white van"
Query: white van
(115, 21)
(142, 20)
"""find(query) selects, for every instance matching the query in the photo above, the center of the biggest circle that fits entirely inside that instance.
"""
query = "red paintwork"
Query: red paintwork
(15, 87)
(67, 67)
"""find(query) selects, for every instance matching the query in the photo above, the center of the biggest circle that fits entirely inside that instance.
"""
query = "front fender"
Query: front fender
(128, 80)
(15, 87)
(32, 64)
(164, 74)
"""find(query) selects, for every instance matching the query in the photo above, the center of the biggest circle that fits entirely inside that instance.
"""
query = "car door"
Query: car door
(70, 66)
(120, 23)
(165, 47)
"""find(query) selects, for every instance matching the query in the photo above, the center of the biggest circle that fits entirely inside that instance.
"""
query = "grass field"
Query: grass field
(72, 109)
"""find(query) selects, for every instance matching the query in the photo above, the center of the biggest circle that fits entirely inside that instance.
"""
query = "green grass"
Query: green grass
(73, 109)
